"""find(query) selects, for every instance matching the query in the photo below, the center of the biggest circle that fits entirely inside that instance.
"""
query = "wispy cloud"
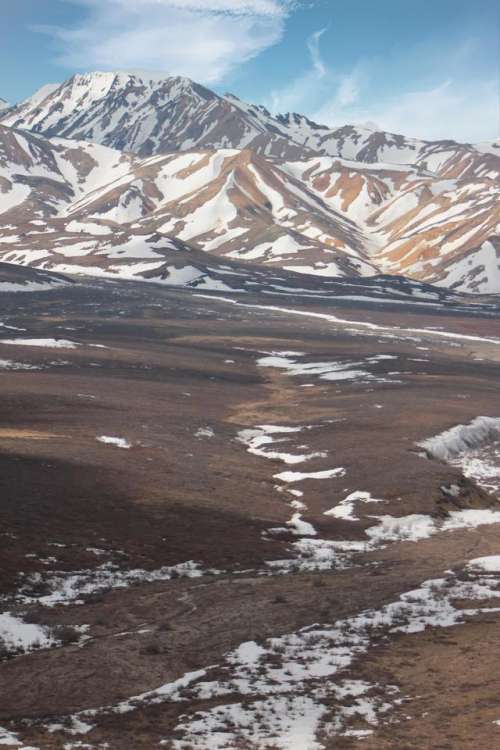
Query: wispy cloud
(461, 110)
(452, 103)
(318, 83)
(349, 89)
(300, 93)
(454, 108)
(203, 39)
(313, 46)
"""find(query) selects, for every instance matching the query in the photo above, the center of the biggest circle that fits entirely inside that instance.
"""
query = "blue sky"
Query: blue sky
(427, 69)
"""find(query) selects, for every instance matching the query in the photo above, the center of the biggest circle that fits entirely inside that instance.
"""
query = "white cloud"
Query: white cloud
(202, 39)
(300, 93)
(464, 111)
(293, 97)
(348, 90)
(313, 46)
(318, 82)
(443, 96)
(458, 104)
(454, 109)
(460, 110)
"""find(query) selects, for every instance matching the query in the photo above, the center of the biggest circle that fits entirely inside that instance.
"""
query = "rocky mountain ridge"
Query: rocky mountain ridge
(134, 157)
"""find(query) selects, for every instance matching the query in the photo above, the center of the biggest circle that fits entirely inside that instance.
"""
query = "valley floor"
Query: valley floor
(219, 530)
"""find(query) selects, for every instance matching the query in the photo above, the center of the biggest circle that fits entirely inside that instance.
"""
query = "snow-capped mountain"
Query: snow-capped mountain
(3, 104)
(140, 156)
(441, 229)
(228, 202)
(151, 115)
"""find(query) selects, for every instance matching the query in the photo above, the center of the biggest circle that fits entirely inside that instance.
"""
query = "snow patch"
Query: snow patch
(117, 441)
(345, 509)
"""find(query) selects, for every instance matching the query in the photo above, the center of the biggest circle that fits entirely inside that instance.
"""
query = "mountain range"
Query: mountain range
(121, 173)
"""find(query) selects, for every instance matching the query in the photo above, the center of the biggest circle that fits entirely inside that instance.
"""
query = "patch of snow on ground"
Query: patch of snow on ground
(31, 286)
(257, 437)
(286, 691)
(204, 432)
(322, 554)
(48, 343)
(16, 634)
(489, 564)
(345, 509)
(116, 441)
(482, 465)
(462, 438)
(301, 674)
(409, 528)
(355, 325)
(474, 448)
(69, 587)
(415, 527)
(332, 371)
(8, 364)
(9, 739)
(300, 527)
(299, 476)
(470, 518)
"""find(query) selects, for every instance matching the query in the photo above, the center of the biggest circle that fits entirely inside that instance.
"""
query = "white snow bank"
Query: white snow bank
(16, 634)
(276, 693)
(489, 564)
(462, 438)
(8, 364)
(469, 519)
(416, 526)
(482, 465)
(332, 371)
(353, 325)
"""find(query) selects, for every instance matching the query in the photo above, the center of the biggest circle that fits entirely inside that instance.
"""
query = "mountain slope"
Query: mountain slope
(268, 190)
(229, 202)
(448, 236)
(235, 203)
(422, 225)
(322, 216)
(38, 177)
(17, 279)
(152, 115)
(128, 112)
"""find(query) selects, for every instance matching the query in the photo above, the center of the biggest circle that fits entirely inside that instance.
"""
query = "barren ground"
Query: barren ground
(177, 376)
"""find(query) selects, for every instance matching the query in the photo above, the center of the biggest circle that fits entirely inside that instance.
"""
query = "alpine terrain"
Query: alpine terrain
(250, 427)
(135, 158)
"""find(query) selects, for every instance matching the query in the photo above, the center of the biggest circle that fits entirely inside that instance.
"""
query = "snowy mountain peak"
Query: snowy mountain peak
(42, 93)
(147, 75)
(295, 120)
(282, 190)
(153, 113)
(103, 81)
